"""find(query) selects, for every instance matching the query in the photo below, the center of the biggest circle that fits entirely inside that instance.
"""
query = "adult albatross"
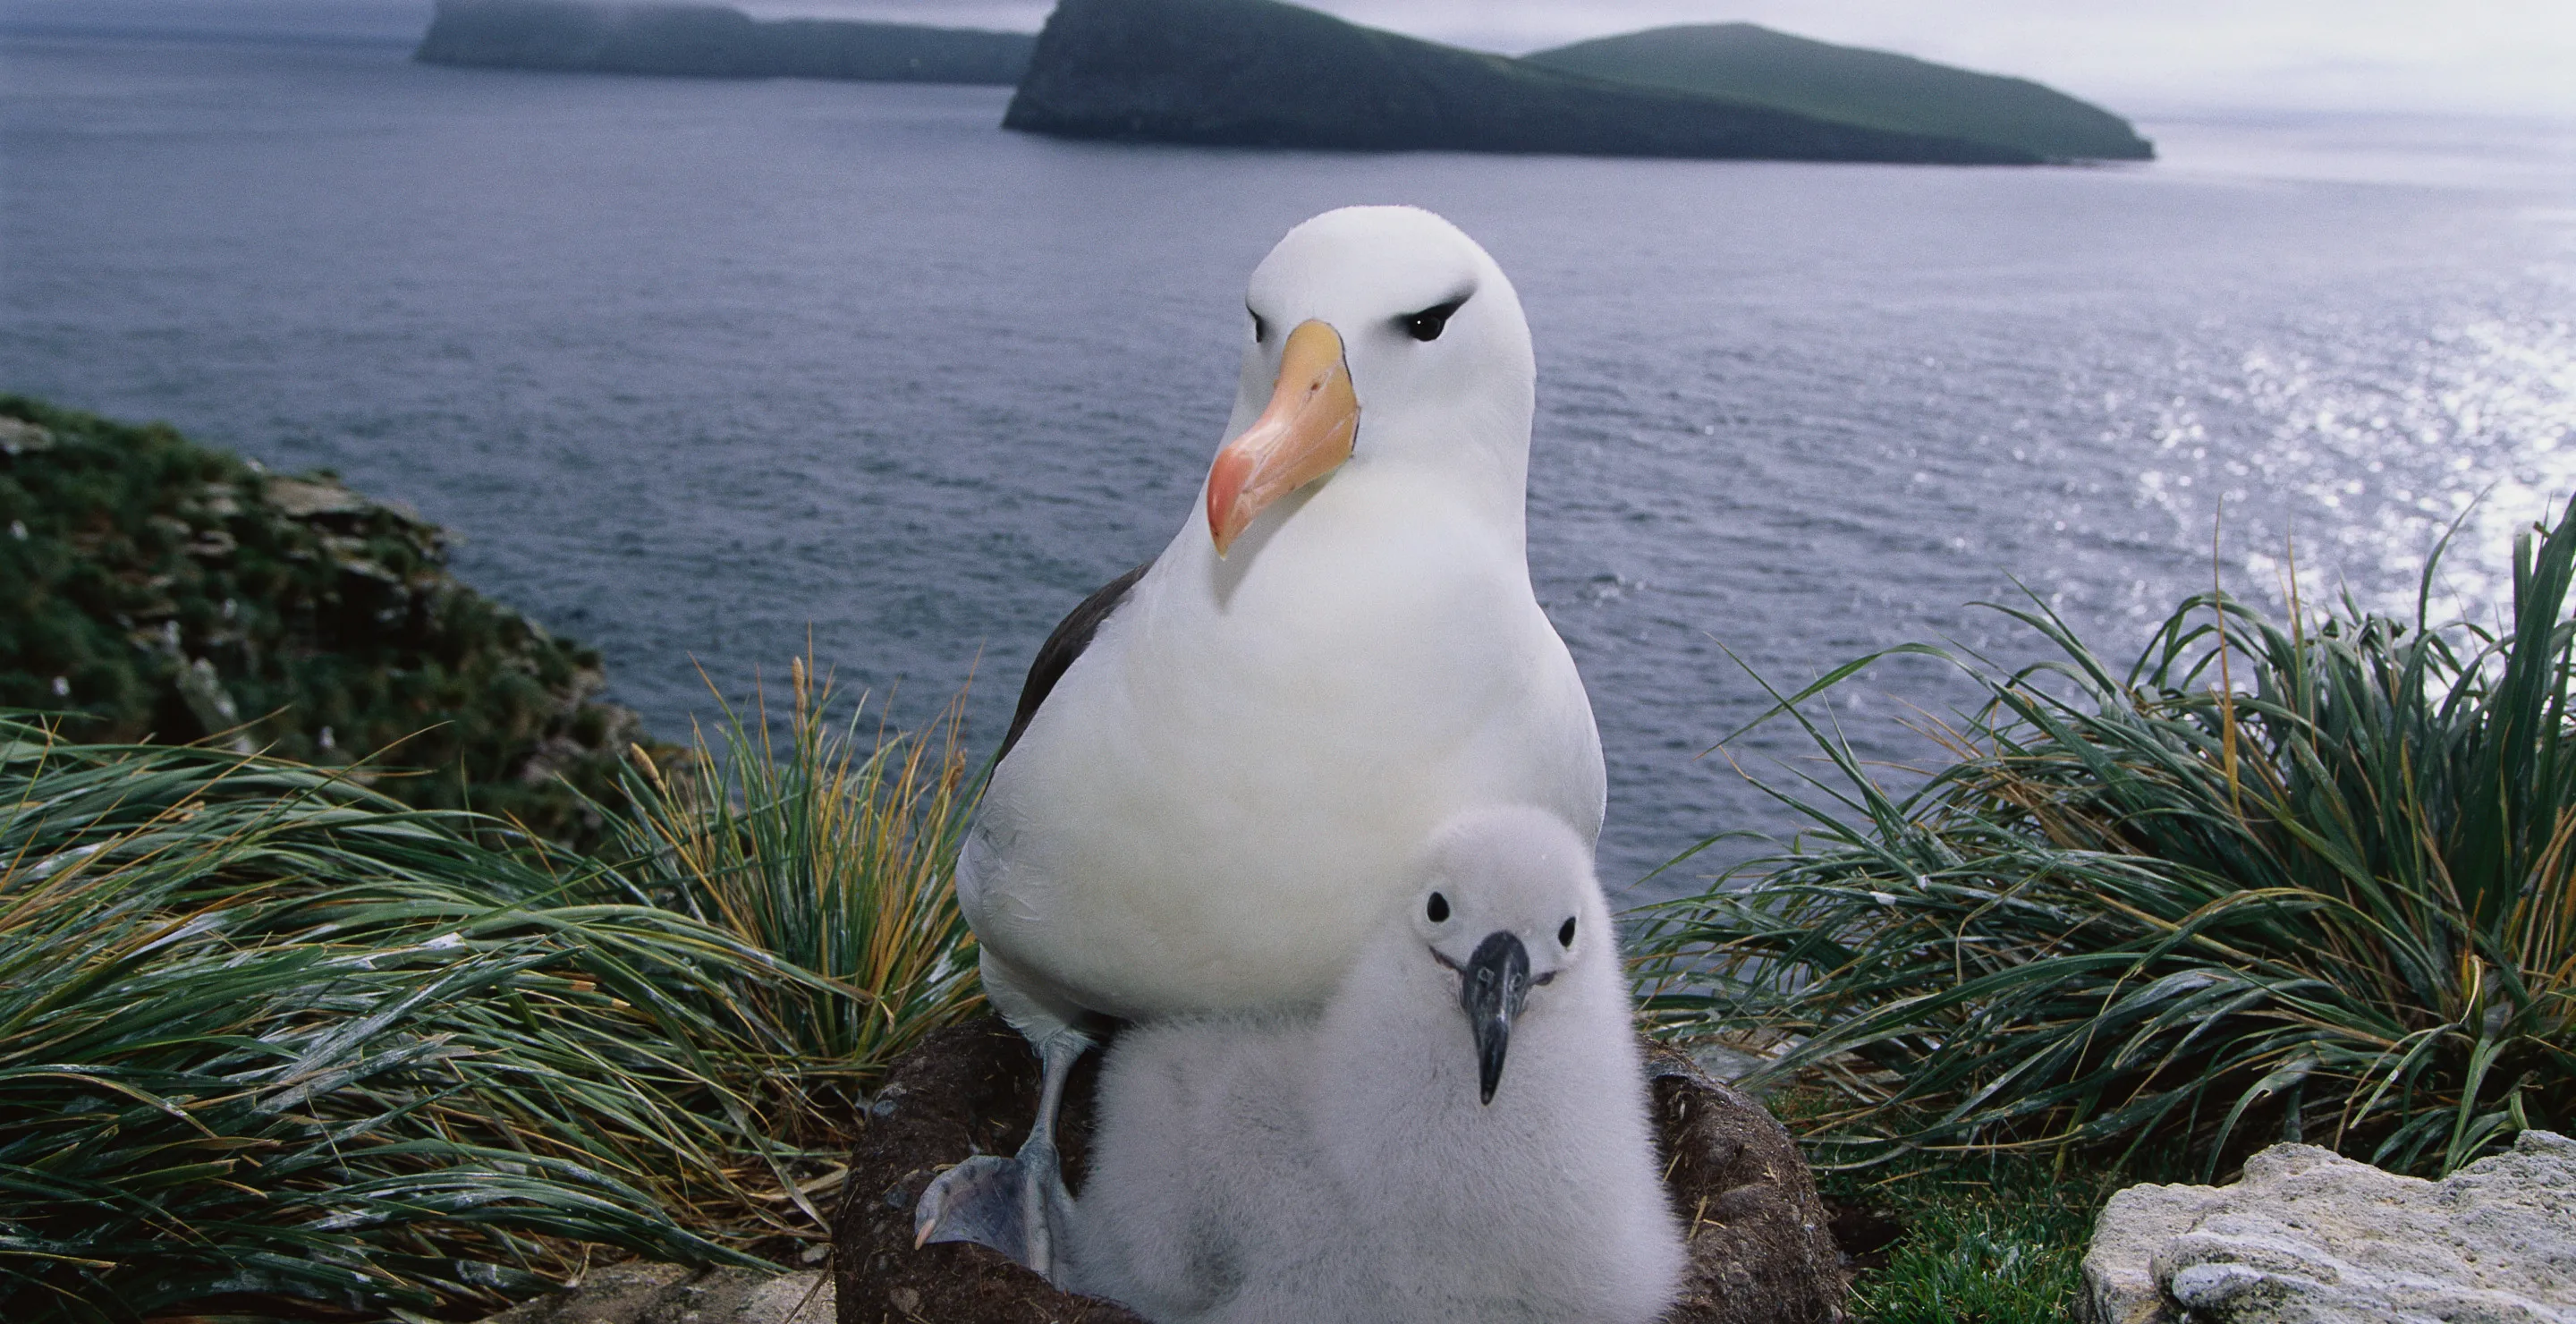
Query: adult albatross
(1224, 762)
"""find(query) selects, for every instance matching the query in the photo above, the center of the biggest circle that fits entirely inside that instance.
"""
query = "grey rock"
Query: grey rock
(675, 1294)
(219, 500)
(299, 498)
(617, 1294)
(17, 437)
(2309, 1237)
(2119, 1286)
(209, 703)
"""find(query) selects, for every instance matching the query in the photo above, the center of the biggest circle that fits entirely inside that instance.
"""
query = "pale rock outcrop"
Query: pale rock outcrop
(2308, 1237)
(646, 1293)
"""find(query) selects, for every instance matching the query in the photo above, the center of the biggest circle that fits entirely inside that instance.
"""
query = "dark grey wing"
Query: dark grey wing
(1072, 635)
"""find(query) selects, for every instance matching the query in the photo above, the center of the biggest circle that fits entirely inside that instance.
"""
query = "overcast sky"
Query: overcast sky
(2143, 56)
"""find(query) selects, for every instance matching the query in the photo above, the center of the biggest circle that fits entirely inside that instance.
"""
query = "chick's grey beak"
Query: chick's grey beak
(1491, 987)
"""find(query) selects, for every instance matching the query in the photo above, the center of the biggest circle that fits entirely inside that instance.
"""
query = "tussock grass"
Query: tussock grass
(830, 850)
(2275, 880)
(262, 1033)
(270, 1040)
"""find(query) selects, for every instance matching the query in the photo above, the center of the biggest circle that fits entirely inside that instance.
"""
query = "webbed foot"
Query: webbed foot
(980, 1200)
(1013, 1205)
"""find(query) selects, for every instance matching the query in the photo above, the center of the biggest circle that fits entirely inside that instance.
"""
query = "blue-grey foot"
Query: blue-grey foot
(1011, 1204)
(979, 1201)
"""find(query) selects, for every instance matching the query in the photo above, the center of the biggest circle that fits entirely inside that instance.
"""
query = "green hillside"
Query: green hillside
(1259, 73)
(1872, 88)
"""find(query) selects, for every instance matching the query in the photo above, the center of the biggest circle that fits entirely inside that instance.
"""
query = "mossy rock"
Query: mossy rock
(152, 589)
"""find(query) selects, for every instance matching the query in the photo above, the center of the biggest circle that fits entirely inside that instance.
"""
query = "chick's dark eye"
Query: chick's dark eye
(1430, 322)
(1437, 909)
(1565, 933)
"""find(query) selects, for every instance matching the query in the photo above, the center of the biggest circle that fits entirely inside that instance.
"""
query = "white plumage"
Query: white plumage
(1342, 1167)
(1222, 790)
(1222, 769)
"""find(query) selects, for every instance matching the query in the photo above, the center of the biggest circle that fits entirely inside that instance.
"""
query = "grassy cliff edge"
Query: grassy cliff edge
(161, 590)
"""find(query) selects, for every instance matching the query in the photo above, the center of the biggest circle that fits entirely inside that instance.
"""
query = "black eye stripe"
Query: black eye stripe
(1430, 322)
(1260, 328)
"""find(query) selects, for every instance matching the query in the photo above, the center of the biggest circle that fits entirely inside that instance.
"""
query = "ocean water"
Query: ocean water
(704, 370)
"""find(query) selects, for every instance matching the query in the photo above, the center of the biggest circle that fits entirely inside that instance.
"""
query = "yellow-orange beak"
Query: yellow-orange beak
(1304, 434)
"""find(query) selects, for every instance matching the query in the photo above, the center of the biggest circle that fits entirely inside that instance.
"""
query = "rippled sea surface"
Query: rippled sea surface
(700, 369)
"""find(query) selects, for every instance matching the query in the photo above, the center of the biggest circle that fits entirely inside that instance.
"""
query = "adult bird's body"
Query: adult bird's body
(1223, 767)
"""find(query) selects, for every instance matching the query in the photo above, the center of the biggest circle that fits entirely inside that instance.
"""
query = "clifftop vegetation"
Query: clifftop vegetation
(168, 592)
(1263, 73)
(1745, 62)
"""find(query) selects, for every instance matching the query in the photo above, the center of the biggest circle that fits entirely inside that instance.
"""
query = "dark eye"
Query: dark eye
(1438, 909)
(1260, 329)
(1430, 322)
(1565, 933)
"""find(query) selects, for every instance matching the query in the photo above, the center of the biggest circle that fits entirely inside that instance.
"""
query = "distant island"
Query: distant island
(1875, 88)
(1263, 73)
(713, 42)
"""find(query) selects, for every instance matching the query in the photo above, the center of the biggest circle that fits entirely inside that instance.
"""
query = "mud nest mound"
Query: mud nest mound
(1761, 1248)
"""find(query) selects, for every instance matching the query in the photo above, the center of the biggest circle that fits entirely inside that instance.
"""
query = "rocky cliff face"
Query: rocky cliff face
(1261, 73)
(152, 589)
(712, 41)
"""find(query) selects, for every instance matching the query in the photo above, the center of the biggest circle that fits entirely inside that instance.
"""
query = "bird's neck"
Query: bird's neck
(1384, 519)
(1477, 457)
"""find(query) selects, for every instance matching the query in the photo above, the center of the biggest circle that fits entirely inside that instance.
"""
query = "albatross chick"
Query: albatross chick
(1460, 1135)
